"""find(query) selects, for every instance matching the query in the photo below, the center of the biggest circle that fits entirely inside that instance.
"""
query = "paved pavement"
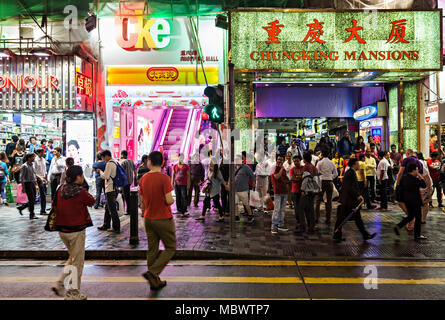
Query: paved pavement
(19, 233)
(235, 279)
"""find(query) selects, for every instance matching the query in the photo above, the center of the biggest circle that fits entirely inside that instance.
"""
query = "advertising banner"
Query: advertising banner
(80, 142)
(328, 40)
(145, 136)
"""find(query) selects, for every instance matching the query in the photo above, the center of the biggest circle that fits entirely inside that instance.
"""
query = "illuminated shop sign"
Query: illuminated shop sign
(366, 112)
(432, 114)
(148, 33)
(336, 41)
(84, 85)
(376, 122)
(20, 82)
(162, 74)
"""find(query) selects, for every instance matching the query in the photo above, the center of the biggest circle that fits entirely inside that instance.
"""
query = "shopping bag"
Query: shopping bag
(335, 194)
(255, 199)
(269, 203)
(9, 195)
(120, 205)
(51, 220)
(21, 196)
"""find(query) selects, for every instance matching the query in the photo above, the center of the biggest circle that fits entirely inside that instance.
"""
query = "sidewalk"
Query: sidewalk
(23, 238)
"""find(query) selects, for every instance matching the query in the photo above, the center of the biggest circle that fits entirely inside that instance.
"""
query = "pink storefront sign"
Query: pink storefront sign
(130, 148)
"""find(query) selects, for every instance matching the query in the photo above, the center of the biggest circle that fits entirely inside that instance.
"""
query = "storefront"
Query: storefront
(373, 119)
(318, 64)
(155, 81)
(49, 98)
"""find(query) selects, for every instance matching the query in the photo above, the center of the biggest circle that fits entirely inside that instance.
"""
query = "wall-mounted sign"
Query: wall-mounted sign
(28, 81)
(162, 74)
(366, 112)
(432, 114)
(84, 85)
(376, 122)
(148, 34)
(300, 40)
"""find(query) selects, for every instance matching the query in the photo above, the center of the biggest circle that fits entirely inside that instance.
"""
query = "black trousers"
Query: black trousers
(342, 213)
(100, 187)
(371, 187)
(307, 209)
(126, 195)
(42, 191)
(181, 198)
(54, 184)
(414, 212)
(111, 211)
(216, 204)
(296, 197)
(225, 199)
(437, 185)
(364, 193)
(384, 194)
(30, 190)
(194, 185)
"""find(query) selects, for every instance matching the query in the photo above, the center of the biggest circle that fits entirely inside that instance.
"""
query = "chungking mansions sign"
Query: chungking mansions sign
(326, 40)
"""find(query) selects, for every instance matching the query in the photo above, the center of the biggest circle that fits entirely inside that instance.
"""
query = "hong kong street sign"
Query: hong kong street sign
(328, 40)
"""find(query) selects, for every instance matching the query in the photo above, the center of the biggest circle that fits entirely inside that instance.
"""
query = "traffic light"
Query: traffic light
(215, 108)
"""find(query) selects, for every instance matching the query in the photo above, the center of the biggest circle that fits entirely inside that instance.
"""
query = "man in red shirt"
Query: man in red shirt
(308, 199)
(433, 144)
(296, 176)
(279, 181)
(156, 198)
(434, 167)
(181, 180)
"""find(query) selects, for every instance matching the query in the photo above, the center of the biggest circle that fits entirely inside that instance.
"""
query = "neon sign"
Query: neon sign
(366, 112)
(84, 85)
(149, 34)
(28, 82)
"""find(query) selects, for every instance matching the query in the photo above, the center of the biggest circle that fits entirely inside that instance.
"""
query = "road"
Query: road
(235, 279)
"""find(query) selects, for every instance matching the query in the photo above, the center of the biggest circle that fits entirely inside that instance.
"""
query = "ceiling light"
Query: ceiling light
(294, 74)
(42, 52)
(332, 84)
(244, 74)
(6, 53)
(345, 74)
(268, 74)
(244, 79)
(288, 85)
(267, 85)
(310, 84)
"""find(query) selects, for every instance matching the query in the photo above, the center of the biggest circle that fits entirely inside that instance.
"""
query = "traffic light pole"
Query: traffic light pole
(231, 119)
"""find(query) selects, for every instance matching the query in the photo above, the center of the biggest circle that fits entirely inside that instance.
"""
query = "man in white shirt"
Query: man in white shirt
(294, 150)
(382, 179)
(39, 165)
(56, 169)
(262, 172)
(328, 172)
(110, 194)
(288, 165)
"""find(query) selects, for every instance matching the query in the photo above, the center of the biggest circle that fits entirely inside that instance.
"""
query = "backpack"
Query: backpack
(311, 183)
(120, 179)
(2, 173)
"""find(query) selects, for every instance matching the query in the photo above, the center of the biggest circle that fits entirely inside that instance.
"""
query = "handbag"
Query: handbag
(21, 196)
(9, 195)
(51, 220)
(207, 186)
(255, 199)
(120, 205)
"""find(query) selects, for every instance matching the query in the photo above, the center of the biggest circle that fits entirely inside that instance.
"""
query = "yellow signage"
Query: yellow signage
(161, 75)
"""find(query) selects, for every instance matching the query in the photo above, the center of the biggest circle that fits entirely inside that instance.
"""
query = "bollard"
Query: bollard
(133, 210)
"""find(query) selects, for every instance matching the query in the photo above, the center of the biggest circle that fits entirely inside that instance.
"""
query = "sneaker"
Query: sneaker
(274, 231)
(154, 281)
(117, 231)
(103, 228)
(421, 237)
(58, 288)
(237, 218)
(201, 218)
(75, 295)
(250, 219)
(186, 214)
(283, 229)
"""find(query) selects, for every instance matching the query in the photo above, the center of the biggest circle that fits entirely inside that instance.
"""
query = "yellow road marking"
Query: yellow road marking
(341, 280)
(420, 264)
(190, 279)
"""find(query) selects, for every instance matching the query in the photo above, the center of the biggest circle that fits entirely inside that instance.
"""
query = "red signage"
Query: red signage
(162, 74)
(21, 82)
(84, 85)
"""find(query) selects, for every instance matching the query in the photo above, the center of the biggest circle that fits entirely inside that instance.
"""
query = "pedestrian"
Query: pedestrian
(328, 172)
(181, 181)
(17, 160)
(155, 190)
(288, 165)
(110, 194)
(359, 146)
(98, 166)
(143, 167)
(397, 158)
(345, 145)
(9, 149)
(382, 179)
(33, 144)
(197, 175)
(391, 179)
(350, 198)
(308, 195)
(434, 169)
(242, 175)
(69, 162)
(370, 175)
(56, 169)
(338, 161)
(29, 184)
(425, 193)
(41, 175)
(262, 173)
(72, 218)
(296, 174)
(131, 171)
(294, 150)
(280, 182)
(410, 185)
(374, 151)
(434, 146)
(4, 173)
(49, 154)
(282, 148)
(212, 191)
(362, 182)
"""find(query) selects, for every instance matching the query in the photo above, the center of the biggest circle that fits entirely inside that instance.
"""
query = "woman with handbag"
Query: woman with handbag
(212, 189)
(17, 160)
(72, 218)
(4, 173)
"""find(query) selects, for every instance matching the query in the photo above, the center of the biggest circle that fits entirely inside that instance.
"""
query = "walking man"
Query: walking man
(131, 171)
(197, 176)
(42, 182)
(370, 174)
(362, 182)
(328, 172)
(100, 183)
(110, 194)
(181, 181)
(242, 175)
(155, 191)
(280, 182)
(382, 176)
(56, 169)
(434, 167)
(350, 198)
(29, 184)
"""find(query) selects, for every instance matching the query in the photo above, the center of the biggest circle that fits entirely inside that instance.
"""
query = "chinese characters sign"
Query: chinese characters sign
(84, 85)
(336, 41)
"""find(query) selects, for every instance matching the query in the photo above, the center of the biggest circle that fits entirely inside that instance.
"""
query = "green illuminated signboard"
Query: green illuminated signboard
(327, 40)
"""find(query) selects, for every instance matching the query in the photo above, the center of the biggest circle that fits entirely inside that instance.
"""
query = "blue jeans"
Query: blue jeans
(2, 190)
(278, 212)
